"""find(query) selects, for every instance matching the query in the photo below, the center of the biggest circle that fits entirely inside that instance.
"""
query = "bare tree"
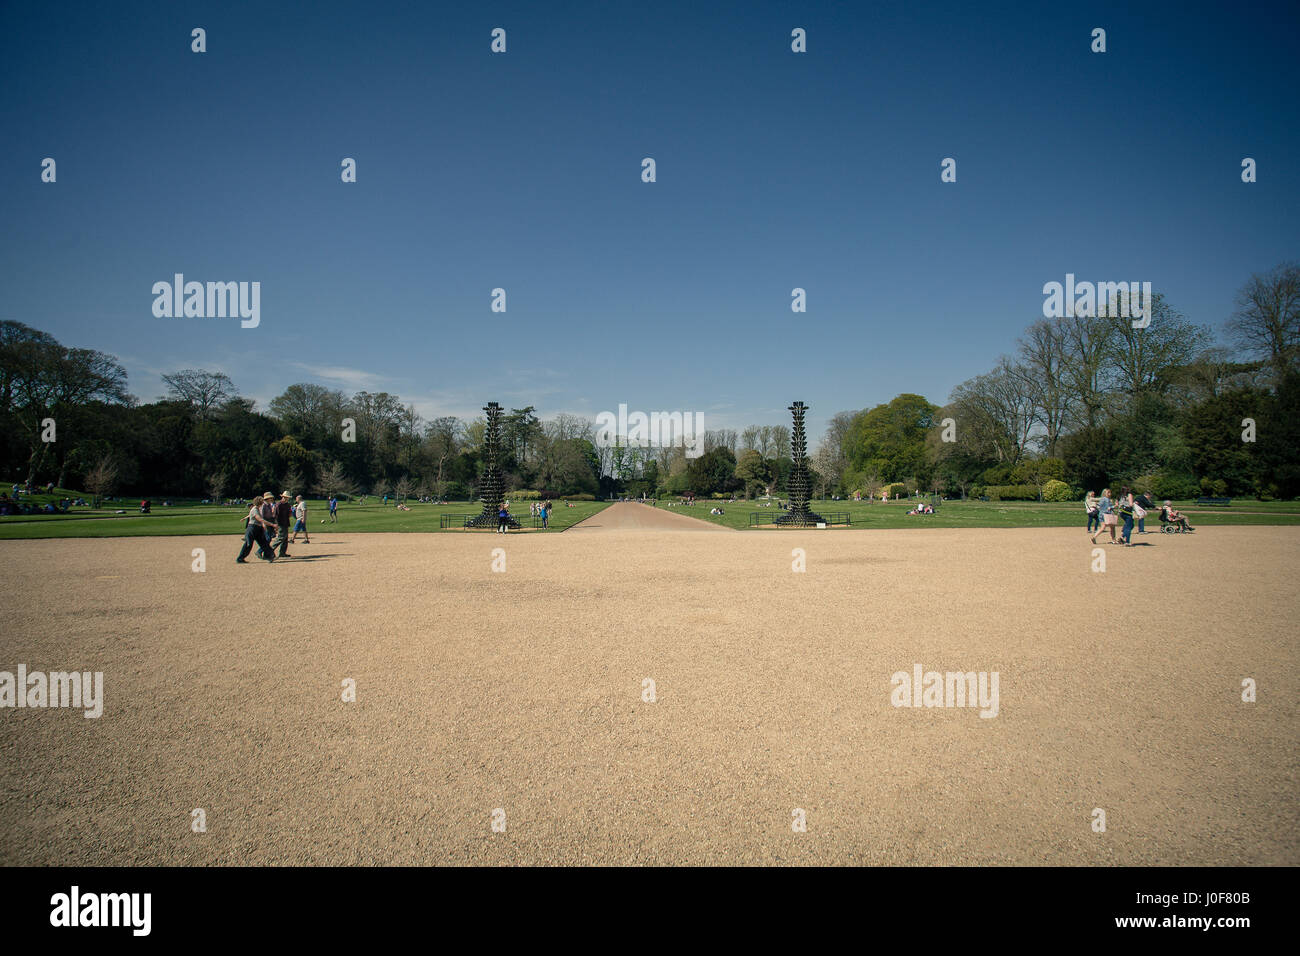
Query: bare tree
(1043, 353)
(402, 490)
(334, 481)
(1267, 321)
(101, 478)
(206, 391)
(780, 441)
(1147, 359)
(996, 412)
(217, 486)
(1089, 347)
(293, 482)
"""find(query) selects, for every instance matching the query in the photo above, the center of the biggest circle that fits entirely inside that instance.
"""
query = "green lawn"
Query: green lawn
(190, 518)
(993, 514)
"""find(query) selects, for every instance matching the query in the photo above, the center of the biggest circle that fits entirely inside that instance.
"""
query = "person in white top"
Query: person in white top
(255, 533)
(300, 521)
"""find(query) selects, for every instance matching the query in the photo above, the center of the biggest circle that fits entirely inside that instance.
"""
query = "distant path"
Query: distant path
(628, 516)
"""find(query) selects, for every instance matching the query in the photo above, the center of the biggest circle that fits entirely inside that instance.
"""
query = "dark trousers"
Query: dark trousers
(1094, 517)
(283, 531)
(1128, 528)
(254, 535)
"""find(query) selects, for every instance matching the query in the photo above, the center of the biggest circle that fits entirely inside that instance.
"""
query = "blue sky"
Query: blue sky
(522, 171)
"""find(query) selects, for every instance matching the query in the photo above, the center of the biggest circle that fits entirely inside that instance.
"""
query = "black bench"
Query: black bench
(1217, 502)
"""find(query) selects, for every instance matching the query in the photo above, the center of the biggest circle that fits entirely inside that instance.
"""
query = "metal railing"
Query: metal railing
(462, 520)
(758, 518)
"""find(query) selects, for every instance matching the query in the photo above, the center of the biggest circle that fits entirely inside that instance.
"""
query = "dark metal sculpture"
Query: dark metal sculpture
(493, 494)
(798, 486)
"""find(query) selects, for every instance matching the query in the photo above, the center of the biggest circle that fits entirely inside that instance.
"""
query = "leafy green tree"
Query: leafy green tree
(1277, 441)
(890, 440)
(753, 471)
(1213, 431)
(713, 471)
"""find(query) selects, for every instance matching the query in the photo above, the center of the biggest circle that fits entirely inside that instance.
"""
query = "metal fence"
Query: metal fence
(757, 518)
(462, 520)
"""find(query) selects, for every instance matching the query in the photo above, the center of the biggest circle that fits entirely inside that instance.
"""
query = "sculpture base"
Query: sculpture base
(800, 520)
(489, 519)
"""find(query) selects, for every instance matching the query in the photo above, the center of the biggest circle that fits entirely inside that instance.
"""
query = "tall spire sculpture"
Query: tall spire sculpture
(798, 486)
(493, 492)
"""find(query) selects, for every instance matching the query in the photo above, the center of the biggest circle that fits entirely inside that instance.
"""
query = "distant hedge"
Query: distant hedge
(1012, 492)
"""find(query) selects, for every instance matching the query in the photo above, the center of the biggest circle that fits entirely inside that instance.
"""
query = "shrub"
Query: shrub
(1012, 492)
(1057, 491)
(525, 494)
(1163, 485)
(582, 497)
(1215, 488)
(895, 488)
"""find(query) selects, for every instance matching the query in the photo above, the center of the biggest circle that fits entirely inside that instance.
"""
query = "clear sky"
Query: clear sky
(522, 170)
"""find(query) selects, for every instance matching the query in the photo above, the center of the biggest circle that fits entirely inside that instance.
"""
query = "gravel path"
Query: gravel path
(523, 690)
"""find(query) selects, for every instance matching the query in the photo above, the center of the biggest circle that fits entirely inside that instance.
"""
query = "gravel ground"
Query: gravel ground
(523, 690)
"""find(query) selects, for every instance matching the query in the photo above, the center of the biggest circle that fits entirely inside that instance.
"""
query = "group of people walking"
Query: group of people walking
(1107, 513)
(267, 526)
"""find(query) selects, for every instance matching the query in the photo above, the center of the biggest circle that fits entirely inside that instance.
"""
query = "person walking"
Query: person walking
(1126, 512)
(1090, 506)
(283, 519)
(255, 527)
(300, 522)
(1107, 511)
(1143, 504)
(546, 514)
(334, 509)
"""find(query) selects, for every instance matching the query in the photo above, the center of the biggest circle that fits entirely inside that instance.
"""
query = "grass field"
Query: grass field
(993, 514)
(191, 517)
(194, 519)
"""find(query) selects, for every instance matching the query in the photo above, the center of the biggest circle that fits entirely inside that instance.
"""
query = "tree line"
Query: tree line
(1083, 401)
